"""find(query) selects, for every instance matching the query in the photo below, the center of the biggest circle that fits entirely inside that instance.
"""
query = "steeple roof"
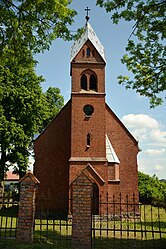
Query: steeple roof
(110, 153)
(89, 34)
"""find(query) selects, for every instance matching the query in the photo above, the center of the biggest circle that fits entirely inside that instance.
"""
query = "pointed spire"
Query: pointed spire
(89, 34)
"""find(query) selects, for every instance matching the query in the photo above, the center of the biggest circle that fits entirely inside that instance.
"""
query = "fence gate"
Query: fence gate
(125, 224)
(8, 215)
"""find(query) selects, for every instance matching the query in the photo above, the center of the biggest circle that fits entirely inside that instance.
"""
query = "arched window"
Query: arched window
(88, 52)
(93, 83)
(84, 82)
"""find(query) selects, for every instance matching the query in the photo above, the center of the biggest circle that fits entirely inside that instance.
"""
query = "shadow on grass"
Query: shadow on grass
(98, 243)
(112, 243)
(59, 241)
(13, 244)
(10, 211)
(53, 238)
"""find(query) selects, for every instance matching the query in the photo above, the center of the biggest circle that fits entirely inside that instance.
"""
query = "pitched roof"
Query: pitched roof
(90, 35)
(110, 153)
(31, 176)
(11, 177)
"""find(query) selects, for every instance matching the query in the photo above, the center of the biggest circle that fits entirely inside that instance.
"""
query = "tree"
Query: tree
(34, 23)
(55, 102)
(151, 190)
(146, 49)
(26, 27)
(22, 109)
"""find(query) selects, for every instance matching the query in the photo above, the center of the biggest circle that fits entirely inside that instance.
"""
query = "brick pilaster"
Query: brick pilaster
(82, 221)
(28, 186)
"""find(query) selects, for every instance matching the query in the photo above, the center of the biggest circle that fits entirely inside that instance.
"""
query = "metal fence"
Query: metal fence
(124, 223)
(52, 228)
(8, 215)
(121, 223)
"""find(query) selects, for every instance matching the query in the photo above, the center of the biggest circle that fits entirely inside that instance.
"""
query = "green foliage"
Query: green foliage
(27, 27)
(151, 190)
(21, 107)
(146, 48)
(25, 110)
(35, 23)
(54, 103)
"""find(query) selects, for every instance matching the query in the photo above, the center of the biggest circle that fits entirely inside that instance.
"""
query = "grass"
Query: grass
(12, 244)
(148, 232)
(99, 244)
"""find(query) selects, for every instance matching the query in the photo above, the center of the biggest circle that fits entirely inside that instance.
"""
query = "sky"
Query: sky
(147, 125)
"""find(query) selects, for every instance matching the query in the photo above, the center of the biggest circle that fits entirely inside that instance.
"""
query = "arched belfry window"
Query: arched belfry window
(84, 82)
(88, 52)
(93, 83)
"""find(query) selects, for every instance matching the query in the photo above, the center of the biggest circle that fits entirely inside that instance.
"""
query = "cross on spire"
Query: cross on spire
(87, 12)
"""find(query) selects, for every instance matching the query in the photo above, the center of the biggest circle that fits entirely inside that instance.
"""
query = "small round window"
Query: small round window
(88, 110)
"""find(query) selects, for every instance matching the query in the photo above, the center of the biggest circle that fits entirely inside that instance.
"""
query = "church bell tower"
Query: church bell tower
(88, 129)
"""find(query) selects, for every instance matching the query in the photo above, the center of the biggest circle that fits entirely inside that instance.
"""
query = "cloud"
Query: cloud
(158, 136)
(158, 167)
(152, 140)
(145, 128)
(140, 120)
(153, 152)
(151, 165)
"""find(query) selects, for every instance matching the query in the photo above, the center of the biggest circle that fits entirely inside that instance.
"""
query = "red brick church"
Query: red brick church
(86, 135)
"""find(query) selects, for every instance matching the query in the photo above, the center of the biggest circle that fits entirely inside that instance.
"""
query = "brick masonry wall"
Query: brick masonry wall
(95, 125)
(52, 152)
(28, 186)
(126, 148)
(82, 220)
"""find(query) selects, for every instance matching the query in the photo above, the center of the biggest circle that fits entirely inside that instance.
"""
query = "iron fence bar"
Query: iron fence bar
(53, 234)
(6, 225)
(47, 234)
(40, 227)
(152, 227)
(114, 207)
(158, 213)
(1, 225)
(145, 226)
(127, 219)
(93, 231)
(140, 208)
(135, 234)
(67, 232)
(120, 219)
(107, 215)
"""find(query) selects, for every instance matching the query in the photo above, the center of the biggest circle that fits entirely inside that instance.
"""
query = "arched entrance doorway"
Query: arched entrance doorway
(95, 200)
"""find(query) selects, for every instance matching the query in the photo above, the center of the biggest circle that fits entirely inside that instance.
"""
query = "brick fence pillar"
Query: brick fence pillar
(81, 215)
(26, 213)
